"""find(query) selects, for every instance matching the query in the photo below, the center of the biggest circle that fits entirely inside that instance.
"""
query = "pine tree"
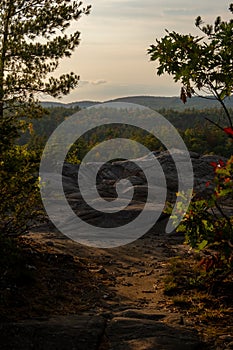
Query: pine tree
(33, 39)
(34, 36)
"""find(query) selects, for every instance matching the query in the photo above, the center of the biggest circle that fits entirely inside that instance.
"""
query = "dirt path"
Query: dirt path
(126, 307)
(134, 272)
(138, 315)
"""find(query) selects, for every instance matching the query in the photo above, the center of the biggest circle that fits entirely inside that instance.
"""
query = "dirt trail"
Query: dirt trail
(135, 272)
(134, 311)
(125, 304)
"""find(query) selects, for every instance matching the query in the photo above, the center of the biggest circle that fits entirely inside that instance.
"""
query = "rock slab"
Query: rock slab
(78, 332)
(129, 329)
(140, 330)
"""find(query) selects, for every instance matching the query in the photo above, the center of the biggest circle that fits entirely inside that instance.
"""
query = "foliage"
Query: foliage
(203, 139)
(19, 190)
(37, 135)
(34, 36)
(33, 39)
(208, 226)
(202, 64)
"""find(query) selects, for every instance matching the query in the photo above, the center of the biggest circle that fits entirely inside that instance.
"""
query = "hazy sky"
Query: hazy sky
(112, 58)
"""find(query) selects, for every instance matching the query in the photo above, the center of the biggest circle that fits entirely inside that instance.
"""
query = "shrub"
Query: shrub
(208, 224)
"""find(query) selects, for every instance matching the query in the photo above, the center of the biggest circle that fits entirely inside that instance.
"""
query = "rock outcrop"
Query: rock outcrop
(132, 178)
(133, 183)
(131, 329)
(111, 173)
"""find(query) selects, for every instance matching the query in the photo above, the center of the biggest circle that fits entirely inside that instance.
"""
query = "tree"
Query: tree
(33, 39)
(34, 36)
(203, 65)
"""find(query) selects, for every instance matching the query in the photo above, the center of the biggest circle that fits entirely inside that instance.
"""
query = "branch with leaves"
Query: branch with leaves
(203, 65)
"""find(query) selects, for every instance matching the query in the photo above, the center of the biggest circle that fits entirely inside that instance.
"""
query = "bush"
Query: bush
(207, 225)
(19, 190)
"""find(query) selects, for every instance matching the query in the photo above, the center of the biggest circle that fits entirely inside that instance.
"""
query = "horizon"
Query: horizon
(128, 96)
(115, 98)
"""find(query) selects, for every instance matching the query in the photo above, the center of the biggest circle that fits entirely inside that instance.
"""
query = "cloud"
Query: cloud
(92, 82)
(98, 82)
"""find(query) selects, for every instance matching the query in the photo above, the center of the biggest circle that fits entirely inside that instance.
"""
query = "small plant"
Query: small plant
(181, 300)
(179, 276)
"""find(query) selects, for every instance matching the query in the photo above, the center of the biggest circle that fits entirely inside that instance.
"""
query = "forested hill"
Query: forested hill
(199, 135)
(154, 102)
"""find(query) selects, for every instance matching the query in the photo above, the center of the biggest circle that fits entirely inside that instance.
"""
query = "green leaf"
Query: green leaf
(202, 245)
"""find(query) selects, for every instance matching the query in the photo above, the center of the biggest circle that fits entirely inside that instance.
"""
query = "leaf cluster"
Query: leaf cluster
(203, 64)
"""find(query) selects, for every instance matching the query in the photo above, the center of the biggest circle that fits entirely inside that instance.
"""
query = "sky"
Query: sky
(112, 58)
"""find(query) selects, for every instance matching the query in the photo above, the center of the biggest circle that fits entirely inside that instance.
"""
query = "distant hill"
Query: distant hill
(154, 102)
(81, 104)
